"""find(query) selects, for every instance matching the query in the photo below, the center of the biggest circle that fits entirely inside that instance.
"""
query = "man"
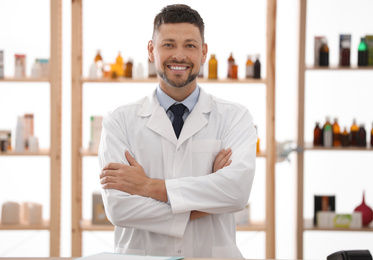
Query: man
(173, 179)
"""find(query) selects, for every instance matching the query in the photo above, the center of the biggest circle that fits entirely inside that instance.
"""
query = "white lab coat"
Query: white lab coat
(149, 227)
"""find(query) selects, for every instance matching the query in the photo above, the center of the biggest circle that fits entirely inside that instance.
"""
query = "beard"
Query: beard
(178, 82)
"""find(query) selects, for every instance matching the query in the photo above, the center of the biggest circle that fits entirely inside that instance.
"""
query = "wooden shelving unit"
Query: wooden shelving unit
(302, 224)
(78, 153)
(53, 225)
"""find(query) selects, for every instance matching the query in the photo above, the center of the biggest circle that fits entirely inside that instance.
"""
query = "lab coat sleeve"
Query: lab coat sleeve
(132, 211)
(228, 189)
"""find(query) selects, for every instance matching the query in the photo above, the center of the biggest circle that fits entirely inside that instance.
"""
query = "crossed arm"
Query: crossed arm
(133, 180)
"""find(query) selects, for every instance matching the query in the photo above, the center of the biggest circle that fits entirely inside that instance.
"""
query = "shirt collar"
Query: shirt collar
(166, 101)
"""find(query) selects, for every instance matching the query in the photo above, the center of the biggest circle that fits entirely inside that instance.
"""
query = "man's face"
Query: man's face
(178, 52)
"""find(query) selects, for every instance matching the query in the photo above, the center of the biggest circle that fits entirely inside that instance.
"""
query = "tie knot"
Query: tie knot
(178, 109)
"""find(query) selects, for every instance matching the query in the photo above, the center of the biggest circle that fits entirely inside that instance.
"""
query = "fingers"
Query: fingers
(112, 166)
(130, 159)
(222, 159)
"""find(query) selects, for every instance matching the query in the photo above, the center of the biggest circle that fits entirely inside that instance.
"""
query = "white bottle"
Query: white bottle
(93, 71)
(140, 71)
(36, 70)
(19, 147)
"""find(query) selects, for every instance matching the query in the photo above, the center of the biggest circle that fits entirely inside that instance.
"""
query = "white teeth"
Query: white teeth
(177, 68)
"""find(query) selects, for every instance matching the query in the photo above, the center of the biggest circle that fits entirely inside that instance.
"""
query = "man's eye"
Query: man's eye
(167, 45)
(191, 46)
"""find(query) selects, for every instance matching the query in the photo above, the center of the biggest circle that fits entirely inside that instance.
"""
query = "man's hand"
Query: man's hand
(222, 160)
(132, 179)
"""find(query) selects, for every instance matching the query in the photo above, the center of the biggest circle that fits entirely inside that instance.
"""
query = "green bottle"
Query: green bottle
(362, 59)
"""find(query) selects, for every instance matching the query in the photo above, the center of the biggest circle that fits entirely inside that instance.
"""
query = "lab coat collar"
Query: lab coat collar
(161, 124)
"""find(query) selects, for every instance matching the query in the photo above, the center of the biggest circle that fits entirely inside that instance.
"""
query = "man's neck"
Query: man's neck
(178, 94)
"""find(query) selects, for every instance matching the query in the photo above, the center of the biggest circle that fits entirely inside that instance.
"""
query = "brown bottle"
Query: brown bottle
(128, 70)
(257, 68)
(345, 59)
(98, 56)
(336, 133)
(317, 135)
(345, 138)
(230, 65)
(371, 137)
(354, 133)
(213, 67)
(234, 71)
(324, 54)
(362, 136)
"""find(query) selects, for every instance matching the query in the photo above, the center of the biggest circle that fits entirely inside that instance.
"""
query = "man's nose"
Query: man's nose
(179, 55)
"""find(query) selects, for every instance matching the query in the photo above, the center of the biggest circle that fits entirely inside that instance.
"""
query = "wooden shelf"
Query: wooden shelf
(310, 147)
(53, 225)
(308, 226)
(154, 80)
(331, 68)
(86, 225)
(43, 226)
(253, 226)
(9, 79)
(42, 152)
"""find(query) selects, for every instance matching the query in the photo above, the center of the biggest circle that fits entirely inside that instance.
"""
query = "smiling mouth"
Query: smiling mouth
(178, 67)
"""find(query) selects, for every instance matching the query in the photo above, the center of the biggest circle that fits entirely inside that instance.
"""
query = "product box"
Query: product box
(369, 41)
(98, 211)
(323, 203)
(20, 66)
(344, 40)
(334, 220)
(318, 43)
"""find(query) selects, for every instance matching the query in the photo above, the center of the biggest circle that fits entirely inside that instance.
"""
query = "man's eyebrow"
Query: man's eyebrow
(173, 40)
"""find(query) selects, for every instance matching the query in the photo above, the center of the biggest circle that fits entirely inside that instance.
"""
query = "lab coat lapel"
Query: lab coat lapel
(158, 119)
(197, 119)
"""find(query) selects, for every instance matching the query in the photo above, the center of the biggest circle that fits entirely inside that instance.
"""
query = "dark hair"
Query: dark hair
(179, 13)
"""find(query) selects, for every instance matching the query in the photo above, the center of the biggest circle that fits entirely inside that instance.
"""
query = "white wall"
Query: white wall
(237, 26)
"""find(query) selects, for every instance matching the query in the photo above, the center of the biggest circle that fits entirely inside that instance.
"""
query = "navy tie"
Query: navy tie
(178, 110)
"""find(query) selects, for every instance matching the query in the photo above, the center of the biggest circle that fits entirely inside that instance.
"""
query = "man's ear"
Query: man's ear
(150, 50)
(204, 52)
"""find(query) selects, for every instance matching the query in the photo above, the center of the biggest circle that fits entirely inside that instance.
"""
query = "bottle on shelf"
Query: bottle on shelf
(128, 69)
(336, 133)
(96, 70)
(230, 65)
(362, 58)
(249, 68)
(354, 130)
(327, 131)
(257, 67)
(345, 53)
(98, 56)
(213, 67)
(317, 135)
(371, 137)
(345, 138)
(119, 65)
(234, 71)
(324, 53)
(362, 136)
